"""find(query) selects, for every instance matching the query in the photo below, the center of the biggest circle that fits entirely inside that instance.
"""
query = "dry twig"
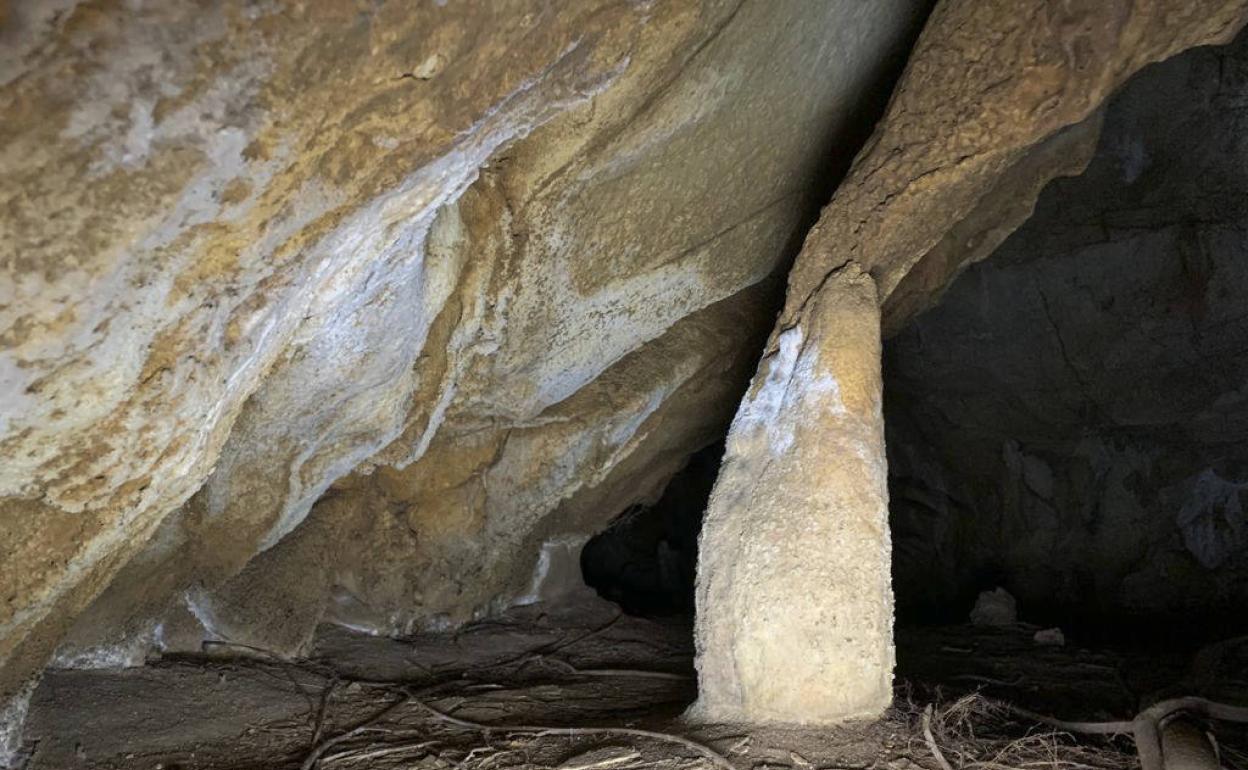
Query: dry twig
(931, 740)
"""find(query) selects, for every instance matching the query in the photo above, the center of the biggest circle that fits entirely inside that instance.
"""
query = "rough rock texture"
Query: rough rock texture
(336, 310)
(997, 99)
(473, 275)
(989, 110)
(1071, 418)
(795, 611)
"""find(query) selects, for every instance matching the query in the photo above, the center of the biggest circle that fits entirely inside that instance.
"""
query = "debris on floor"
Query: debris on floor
(1050, 637)
(584, 687)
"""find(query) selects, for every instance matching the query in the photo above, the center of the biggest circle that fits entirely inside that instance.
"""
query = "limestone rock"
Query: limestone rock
(323, 299)
(998, 98)
(1049, 637)
(794, 602)
(317, 307)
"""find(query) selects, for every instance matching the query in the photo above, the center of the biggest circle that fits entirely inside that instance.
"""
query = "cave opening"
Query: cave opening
(646, 559)
(1068, 423)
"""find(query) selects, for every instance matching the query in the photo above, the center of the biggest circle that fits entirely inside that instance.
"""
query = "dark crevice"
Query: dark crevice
(645, 560)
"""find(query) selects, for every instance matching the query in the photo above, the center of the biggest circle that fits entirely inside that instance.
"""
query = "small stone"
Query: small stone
(995, 608)
(1050, 637)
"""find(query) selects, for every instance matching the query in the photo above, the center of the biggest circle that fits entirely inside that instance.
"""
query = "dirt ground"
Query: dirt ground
(585, 688)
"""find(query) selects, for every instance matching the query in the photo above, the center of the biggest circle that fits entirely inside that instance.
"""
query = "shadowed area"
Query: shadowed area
(1070, 422)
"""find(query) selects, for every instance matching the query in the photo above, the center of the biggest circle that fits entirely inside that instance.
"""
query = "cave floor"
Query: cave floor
(582, 687)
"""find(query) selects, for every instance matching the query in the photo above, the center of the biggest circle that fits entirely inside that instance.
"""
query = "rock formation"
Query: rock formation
(794, 605)
(337, 310)
(998, 98)
(329, 311)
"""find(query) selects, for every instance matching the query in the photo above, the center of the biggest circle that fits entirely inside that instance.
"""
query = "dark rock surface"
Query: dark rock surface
(1070, 421)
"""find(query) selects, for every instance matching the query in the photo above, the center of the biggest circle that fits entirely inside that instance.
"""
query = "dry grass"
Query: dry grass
(974, 732)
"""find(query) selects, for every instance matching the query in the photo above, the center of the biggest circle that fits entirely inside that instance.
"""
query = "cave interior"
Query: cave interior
(1065, 424)
(1066, 429)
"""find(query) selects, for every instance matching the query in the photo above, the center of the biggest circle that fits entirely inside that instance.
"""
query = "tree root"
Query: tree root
(410, 698)
(1147, 726)
(319, 749)
(538, 731)
(931, 740)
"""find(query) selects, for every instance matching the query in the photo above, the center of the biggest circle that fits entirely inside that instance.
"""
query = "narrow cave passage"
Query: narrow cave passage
(1070, 422)
(646, 560)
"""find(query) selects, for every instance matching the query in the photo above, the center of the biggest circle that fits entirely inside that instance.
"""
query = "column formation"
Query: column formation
(794, 603)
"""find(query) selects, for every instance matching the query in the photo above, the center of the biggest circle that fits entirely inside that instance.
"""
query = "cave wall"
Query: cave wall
(339, 310)
(1070, 420)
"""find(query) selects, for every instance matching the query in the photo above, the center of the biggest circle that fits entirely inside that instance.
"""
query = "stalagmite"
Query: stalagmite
(794, 599)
